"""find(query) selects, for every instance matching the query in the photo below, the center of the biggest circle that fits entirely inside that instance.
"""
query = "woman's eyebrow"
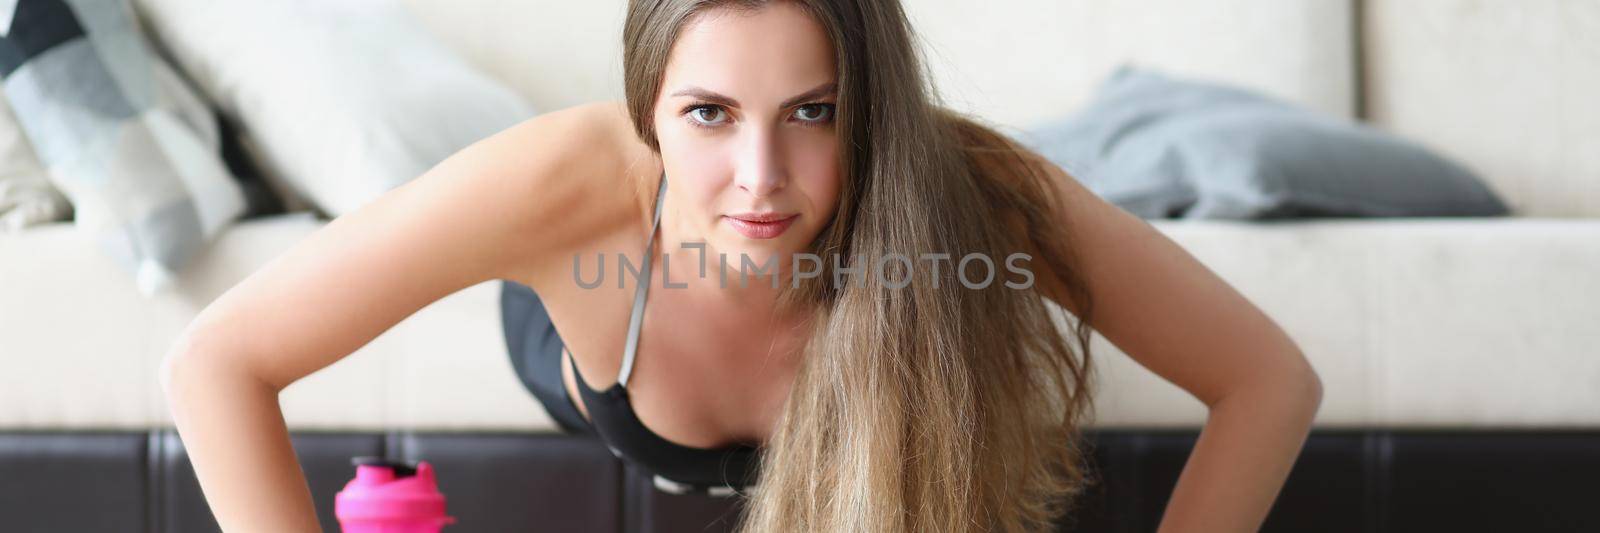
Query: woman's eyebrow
(713, 97)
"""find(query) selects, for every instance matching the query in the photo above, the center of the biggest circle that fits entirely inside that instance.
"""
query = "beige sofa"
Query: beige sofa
(1410, 322)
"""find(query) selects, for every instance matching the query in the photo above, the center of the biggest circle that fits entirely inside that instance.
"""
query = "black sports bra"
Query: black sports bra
(677, 468)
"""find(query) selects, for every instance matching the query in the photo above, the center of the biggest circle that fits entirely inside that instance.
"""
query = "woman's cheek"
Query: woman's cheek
(821, 175)
(701, 172)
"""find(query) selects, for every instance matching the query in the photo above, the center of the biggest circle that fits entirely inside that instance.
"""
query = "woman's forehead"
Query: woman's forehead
(769, 54)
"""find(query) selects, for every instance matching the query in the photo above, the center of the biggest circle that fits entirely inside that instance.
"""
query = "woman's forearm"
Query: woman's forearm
(236, 438)
(1241, 460)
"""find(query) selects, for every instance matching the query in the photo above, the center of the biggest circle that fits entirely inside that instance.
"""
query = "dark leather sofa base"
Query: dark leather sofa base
(1344, 481)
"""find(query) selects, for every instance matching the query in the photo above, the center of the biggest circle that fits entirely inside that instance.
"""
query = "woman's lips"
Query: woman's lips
(760, 227)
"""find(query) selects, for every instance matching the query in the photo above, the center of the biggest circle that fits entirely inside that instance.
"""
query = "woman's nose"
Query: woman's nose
(760, 170)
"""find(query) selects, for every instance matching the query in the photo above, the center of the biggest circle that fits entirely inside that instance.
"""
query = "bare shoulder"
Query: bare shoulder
(574, 173)
(513, 205)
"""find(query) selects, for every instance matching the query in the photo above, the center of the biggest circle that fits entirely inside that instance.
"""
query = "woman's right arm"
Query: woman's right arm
(502, 208)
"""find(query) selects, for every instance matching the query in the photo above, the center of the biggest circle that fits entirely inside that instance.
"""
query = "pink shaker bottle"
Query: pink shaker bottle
(391, 497)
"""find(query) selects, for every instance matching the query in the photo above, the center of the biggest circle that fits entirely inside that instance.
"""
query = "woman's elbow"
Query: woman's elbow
(192, 356)
(179, 357)
(1307, 387)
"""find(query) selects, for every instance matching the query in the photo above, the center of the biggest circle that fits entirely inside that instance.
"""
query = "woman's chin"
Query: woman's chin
(759, 254)
(755, 253)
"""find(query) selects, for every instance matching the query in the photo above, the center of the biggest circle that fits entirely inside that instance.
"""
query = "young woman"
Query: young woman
(834, 401)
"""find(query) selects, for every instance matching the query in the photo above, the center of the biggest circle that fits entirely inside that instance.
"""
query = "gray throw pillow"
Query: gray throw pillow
(120, 134)
(1165, 147)
(26, 196)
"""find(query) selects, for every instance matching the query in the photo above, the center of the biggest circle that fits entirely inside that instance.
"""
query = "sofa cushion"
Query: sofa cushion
(1508, 88)
(1027, 61)
(1407, 321)
(1163, 146)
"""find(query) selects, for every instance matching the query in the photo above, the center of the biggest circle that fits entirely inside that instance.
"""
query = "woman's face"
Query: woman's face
(745, 121)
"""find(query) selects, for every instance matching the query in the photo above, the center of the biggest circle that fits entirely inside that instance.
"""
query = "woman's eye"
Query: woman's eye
(710, 116)
(814, 112)
(706, 115)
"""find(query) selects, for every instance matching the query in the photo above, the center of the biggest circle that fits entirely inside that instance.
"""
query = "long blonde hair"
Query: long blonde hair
(915, 408)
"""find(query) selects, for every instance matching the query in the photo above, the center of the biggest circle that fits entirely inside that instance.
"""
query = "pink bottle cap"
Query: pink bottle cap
(391, 497)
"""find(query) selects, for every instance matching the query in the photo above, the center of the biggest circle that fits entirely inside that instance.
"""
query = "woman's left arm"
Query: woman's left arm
(1177, 318)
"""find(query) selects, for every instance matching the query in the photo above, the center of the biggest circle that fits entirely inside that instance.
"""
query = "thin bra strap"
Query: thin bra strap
(637, 320)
